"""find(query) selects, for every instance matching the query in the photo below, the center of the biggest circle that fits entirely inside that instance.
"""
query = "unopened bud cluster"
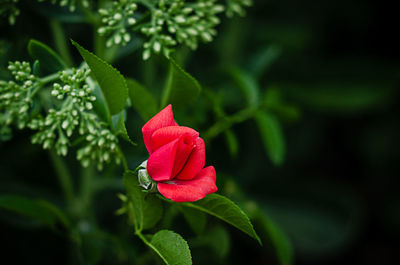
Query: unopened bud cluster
(16, 96)
(9, 9)
(70, 3)
(116, 21)
(179, 21)
(171, 22)
(101, 148)
(72, 87)
(75, 117)
(237, 7)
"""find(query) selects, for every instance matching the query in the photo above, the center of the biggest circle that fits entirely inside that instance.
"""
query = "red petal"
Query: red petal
(162, 119)
(190, 190)
(167, 134)
(169, 159)
(185, 147)
(161, 163)
(195, 162)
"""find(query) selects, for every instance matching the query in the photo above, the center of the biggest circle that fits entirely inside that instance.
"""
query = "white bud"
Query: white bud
(89, 105)
(146, 55)
(117, 16)
(180, 19)
(131, 21)
(65, 124)
(117, 39)
(156, 46)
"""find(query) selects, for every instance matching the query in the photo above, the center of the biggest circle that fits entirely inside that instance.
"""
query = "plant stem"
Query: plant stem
(61, 41)
(123, 158)
(86, 187)
(226, 122)
(64, 176)
(49, 78)
(143, 238)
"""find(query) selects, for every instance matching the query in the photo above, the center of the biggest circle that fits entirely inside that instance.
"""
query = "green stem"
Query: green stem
(61, 41)
(225, 123)
(49, 78)
(143, 238)
(64, 176)
(123, 158)
(86, 188)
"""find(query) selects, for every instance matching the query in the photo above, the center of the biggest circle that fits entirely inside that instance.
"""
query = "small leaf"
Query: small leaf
(272, 136)
(146, 208)
(232, 142)
(226, 210)
(247, 84)
(218, 239)
(279, 240)
(39, 210)
(171, 247)
(263, 60)
(49, 60)
(181, 88)
(141, 99)
(196, 219)
(118, 127)
(111, 82)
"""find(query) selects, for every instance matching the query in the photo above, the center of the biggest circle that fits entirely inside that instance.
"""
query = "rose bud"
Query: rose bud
(177, 159)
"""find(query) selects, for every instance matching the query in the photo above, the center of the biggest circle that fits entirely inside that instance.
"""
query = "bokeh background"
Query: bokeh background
(335, 196)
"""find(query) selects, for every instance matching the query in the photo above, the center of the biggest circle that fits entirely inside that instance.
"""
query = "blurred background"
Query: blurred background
(328, 74)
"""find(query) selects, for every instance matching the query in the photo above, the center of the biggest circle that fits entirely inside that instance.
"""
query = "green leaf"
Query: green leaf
(181, 88)
(141, 99)
(272, 136)
(196, 219)
(262, 60)
(49, 60)
(39, 210)
(279, 240)
(247, 84)
(146, 207)
(342, 97)
(118, 127)
(111, 82)
(171, 247)
(218, 239)
(273, 101)
(226, 210)
(232, 142)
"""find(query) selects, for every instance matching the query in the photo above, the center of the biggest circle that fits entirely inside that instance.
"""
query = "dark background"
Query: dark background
(336, 196)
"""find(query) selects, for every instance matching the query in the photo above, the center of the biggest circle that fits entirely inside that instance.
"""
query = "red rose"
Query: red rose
(177, 158)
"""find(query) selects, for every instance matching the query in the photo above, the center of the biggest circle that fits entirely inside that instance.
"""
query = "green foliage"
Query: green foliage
(9, 9)
(272, 136)
(70, 3)
(171, 22)
(171, 247)
(141, 99)
(226, 210)
(181, 88)
(76, 113)
(16, 97)
(118, 127)
(39, 210)
(110, 80)
(48, 59)
(247, 84)
(218, 239)
(237, 6)
(116, 20)
(342, 97)
(145, 208)
(196, 219)
(279, 239)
